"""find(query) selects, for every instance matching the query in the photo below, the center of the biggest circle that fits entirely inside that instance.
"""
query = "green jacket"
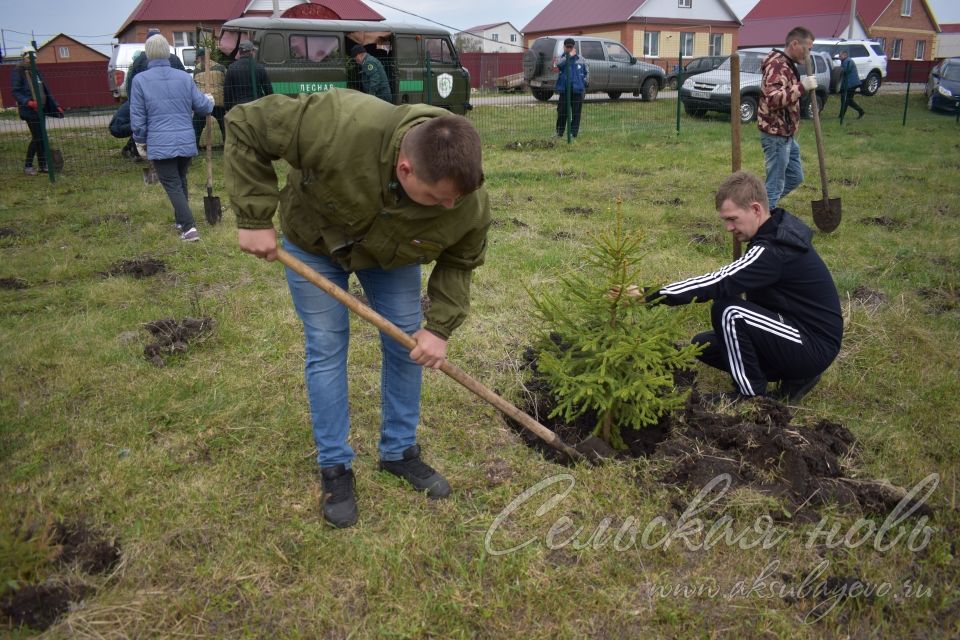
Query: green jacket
(341, 192)
(374, 79)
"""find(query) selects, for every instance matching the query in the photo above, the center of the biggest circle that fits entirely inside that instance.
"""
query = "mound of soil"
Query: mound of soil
(8, 232)
(865, 295)
(674, 202)
(174, 337)
(86, 547)
(580, 211)
(139, 268)
(39, 606)
(529, 145)
(757, 444)
(13, 283)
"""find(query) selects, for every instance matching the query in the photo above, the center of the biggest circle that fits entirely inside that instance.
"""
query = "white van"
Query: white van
(123, 56)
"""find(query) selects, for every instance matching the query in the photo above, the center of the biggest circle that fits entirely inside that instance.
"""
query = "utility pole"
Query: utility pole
(853, 16)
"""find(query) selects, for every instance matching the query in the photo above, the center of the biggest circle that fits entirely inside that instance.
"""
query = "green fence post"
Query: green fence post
(906, 100)
(428, 81)
(567, 100)
(679, 85)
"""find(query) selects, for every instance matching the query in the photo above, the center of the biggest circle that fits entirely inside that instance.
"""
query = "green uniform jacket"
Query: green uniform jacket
(342, 199)
(374, 78)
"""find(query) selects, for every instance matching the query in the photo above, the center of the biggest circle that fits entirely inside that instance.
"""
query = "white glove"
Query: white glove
(142, 149)
(209, 96)
(809, 82)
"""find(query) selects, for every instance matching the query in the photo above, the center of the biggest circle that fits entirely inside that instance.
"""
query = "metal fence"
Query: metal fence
(518, 117)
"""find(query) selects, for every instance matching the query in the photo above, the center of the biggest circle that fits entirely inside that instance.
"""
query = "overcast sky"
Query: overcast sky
(94, 22)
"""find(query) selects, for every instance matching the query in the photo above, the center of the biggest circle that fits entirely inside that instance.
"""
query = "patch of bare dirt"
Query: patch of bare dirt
(39, 606)
(757, 443)
(497, 471)
(577, 175)
(529, 145)
(867, 296)
(88, 548)
(8, 232)
(884, 221)
(941, 299)
(673, 202)
(580, 211)
(174, 337)
(13, 283)
(562, 235)
(138, 268)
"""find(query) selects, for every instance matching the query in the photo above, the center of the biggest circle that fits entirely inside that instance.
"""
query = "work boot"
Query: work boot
(422, 476)
(794, 390)
(29, 171)
(339, 499)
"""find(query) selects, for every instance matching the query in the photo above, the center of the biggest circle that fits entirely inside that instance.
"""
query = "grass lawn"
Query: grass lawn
(202, 472)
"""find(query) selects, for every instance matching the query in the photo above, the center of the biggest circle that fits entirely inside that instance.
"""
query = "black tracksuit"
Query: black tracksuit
(790, 325)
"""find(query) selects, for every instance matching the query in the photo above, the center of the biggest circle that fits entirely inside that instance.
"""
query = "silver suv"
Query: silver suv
(710, 91)
(868, 56)
(613, 70)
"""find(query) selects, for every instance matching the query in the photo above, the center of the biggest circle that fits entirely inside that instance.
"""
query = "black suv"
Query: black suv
(613, 70)
(695, 66)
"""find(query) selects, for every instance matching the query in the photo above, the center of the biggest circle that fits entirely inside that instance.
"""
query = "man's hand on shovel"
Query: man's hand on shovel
(259, 242)
(431, 349)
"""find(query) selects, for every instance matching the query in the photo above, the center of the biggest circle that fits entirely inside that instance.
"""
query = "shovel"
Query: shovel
(211, 203)
(826, 212)
(451, 370)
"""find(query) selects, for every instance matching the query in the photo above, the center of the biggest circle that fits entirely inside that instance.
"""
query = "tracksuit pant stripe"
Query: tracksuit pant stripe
(739, 364)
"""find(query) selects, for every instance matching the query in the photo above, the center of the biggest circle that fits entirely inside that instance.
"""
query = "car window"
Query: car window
(951, 72)
(877, 49)
(617, 53)
(820, 64)
(857, 51)
(749, 62)
(828, 49)
(438, 49)
(305, 48)
(591, 50)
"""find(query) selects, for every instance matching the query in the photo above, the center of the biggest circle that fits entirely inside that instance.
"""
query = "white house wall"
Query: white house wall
(669, 9)
(948, 45)
(503, 45)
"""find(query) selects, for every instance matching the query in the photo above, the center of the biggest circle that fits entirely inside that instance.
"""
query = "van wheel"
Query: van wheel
(748, 109)
(542, 94)
(871, 85)
(649, 90)
(614, 95)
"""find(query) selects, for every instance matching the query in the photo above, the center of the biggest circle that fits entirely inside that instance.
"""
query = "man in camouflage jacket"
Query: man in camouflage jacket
(778, 115)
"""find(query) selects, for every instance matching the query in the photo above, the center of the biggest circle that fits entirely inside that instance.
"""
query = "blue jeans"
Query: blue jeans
(784, 171)
(394, 294)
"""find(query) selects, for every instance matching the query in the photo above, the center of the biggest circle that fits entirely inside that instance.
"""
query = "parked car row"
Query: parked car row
(711, 91)
(122, 58)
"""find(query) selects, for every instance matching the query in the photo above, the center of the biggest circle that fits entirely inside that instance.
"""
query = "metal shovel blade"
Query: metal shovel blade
(211, 208)
(826, 214)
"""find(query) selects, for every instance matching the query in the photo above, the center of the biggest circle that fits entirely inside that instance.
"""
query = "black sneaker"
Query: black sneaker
(794, 390)
(339, 500)
(422, 476)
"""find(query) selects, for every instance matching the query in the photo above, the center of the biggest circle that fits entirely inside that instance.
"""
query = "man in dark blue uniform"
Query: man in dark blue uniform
(373, 78)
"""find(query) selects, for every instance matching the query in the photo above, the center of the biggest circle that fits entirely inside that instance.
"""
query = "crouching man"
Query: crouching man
(789, 326)
(376, 190)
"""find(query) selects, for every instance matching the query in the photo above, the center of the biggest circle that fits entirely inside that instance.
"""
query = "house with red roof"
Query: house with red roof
(656, 31)
(178, 20)
(62, 48)
(496, 37)
(907, 29)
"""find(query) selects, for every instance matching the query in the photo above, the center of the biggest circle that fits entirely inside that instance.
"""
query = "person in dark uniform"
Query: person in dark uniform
(373, 78)
(789, 327)
(238, 86)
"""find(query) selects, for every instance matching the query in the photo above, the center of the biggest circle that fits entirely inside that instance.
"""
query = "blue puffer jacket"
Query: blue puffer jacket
(162, 103)
(578, 71)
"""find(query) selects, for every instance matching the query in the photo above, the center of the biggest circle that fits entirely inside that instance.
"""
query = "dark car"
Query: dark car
(695, 66)
(943, 86)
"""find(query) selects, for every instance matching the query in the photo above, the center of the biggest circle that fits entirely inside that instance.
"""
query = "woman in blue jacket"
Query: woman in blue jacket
(162, 103)
(574, 74)
(29, 105)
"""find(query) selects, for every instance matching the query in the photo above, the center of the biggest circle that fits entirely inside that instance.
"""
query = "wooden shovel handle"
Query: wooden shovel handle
(811, 71)
(392, 330)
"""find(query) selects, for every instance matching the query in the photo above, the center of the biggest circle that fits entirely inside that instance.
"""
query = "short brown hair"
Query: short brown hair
(799, 33)
(446, 148)
(743, 189)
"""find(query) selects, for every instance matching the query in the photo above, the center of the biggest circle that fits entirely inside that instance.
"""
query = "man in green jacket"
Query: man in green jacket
(377, 190)
(373, 78)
